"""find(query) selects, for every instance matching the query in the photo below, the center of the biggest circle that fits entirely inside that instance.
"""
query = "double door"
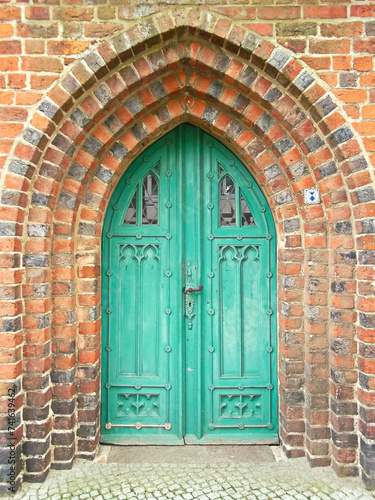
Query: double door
(189, 340)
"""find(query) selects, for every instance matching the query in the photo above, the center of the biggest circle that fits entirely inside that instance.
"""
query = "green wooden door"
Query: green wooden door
(184, 366)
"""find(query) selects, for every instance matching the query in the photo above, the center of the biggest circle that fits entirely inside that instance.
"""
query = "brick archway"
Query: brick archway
(280, 121)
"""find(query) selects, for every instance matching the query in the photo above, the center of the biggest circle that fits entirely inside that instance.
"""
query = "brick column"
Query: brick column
(11, 332)
(366, 333)
(11, 361)
(64, 318)
(64, 347)
(343, 347)
(12, 214)
(291, 340)
(89, 347)
(37, 348)
(316, 342)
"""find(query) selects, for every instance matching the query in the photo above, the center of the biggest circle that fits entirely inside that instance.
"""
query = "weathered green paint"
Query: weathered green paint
(198, 367)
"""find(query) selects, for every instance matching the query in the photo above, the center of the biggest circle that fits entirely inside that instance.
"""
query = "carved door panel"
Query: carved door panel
(189, 348)
(239, 316)
(142, 314)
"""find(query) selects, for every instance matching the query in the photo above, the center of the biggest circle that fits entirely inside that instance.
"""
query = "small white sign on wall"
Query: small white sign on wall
(312, 196)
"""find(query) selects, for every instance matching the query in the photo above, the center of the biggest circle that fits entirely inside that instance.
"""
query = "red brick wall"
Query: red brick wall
(286, 85)
(40, 39)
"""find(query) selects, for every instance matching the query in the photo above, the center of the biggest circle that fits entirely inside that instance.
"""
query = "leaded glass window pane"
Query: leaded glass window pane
(227, 202)
(131, 213)
(150, 190)
(247, 218)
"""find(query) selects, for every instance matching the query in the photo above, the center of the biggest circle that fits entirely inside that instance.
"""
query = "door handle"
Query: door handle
(190, 304)
(193, 290)
(189, 291)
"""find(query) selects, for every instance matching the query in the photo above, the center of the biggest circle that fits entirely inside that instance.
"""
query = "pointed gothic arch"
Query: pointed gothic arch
(279, 119)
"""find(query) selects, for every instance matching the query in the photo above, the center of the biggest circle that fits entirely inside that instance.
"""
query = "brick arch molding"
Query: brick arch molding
(280, 120)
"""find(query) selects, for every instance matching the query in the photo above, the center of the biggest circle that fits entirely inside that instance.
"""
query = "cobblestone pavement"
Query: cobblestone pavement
(285, 479)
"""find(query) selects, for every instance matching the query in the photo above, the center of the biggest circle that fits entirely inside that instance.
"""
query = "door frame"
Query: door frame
(272, 229)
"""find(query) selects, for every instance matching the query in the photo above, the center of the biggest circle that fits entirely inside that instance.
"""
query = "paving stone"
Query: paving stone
(286, 480)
